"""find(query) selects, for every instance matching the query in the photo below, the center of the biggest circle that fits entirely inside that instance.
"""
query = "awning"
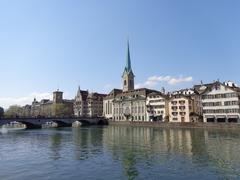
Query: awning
(220, 116)
(232, 116)
(209, 116)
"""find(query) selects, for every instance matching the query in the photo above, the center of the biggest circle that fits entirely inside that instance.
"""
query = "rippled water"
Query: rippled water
(119, 152)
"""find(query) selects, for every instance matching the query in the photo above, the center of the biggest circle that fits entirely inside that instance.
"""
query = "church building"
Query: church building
(128, 103)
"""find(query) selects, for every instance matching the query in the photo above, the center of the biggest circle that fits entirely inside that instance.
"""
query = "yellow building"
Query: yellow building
(180, 108)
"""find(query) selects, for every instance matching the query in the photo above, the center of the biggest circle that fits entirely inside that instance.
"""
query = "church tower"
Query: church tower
(128, 76)
(57, 97)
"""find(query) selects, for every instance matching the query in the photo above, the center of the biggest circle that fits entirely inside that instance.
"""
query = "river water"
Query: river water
(119, 152)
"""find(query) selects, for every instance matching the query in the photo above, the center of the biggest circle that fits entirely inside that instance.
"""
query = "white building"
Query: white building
(220, 102)
(157, 107)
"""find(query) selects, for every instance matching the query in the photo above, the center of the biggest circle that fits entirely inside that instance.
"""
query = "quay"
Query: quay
(178, 125)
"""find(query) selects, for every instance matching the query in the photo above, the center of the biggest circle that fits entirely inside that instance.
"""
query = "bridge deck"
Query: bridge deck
(62, 122)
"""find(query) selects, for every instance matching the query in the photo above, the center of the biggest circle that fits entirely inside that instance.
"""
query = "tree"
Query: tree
(1, 112)
(61, 110)
(14, 111)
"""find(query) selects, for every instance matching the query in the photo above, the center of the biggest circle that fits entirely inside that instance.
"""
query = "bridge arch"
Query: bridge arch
(102, 122)
(85, 122)
(62, 123)
(30, 125)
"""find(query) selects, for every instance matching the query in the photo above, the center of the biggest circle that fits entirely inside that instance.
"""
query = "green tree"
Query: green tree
(60, 110)
(1, 112)
(14, 111)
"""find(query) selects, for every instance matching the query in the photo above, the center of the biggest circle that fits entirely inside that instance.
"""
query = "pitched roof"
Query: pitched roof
(202, 88)
(158, 93)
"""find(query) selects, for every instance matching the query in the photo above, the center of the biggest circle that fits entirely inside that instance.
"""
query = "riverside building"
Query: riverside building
(220, 101)
(51, 108)
(180, 107)
(157, 107)
(88, 104)
(185, 106)
(128, 103)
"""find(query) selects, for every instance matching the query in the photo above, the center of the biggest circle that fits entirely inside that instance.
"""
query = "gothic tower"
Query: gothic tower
(128, 76)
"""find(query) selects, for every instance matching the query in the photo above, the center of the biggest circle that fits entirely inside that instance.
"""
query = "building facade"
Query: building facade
(58, 107)
(220, 102)
(88, 104)
(157, 107)
(180, 108)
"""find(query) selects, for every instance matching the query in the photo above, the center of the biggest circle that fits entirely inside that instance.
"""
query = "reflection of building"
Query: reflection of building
(128, 103)
(88, 104)
(149, 142)
(57, 107)
(157, 107)
(220, 101)
(178, 141)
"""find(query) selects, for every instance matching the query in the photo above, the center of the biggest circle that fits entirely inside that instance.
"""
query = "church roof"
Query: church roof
(128, 67)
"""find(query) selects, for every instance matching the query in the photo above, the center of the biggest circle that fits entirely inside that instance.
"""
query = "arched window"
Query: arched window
(125, 82)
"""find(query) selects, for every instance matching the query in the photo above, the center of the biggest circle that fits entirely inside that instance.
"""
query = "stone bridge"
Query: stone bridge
(36, 123)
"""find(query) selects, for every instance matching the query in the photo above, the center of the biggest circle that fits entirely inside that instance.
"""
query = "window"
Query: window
(174, 108)
(230, 103)
(125, 82)
(182, 102)
(174, 102)
(182, 113)
(182, 108)
(174, 113)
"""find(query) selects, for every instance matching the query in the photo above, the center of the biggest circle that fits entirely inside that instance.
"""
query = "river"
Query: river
(119, 152)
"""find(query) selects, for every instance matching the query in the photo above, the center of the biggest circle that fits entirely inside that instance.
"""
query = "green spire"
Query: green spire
(128, 67)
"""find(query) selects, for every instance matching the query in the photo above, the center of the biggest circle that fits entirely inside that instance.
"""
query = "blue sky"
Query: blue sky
(50, 44)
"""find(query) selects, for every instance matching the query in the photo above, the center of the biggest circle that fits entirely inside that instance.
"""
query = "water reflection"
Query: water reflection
(56, 141)
(87, 142)
(223, 151)
(137, 147)
(120, 152)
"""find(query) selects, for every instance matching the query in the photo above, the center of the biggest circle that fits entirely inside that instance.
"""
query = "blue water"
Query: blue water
(119, 152)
